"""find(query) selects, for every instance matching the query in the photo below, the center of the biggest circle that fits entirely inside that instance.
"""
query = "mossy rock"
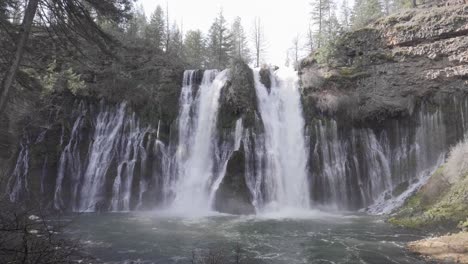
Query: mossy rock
(437, 205)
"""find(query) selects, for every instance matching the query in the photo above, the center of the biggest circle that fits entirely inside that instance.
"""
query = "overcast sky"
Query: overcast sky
(282, 20)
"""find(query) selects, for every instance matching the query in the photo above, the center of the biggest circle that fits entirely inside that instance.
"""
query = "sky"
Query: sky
(282, 19)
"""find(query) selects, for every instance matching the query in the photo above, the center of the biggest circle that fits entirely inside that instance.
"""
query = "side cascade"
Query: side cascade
(97, 171)
(377, 169)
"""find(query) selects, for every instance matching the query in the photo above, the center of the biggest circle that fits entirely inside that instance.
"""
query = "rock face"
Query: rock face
(384, 70)
(238, 97)
(233, 195)
(238, 100)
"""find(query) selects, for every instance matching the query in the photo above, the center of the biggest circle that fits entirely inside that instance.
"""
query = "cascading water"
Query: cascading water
(114, 149)
(18, 183)
(198, 159)
(110, 162)
(280, 178)
(359, 167)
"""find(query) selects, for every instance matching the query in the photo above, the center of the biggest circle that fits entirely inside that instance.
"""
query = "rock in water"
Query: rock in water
(233, 196)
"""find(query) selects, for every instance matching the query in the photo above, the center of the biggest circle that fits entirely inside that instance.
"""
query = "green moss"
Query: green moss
(436, 205)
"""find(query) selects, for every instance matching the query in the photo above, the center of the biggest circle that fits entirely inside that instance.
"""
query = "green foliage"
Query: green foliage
(329, 40)
(321, 14)
(219, 43)
(136, 27)
(176, 45)
(155, 32)
(365, 11)
(194, 48)
(68, 78)
(438, 204)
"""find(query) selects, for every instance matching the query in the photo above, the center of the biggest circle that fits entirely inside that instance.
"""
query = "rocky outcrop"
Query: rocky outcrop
(238, 98)
(233, 195)
(386, 69)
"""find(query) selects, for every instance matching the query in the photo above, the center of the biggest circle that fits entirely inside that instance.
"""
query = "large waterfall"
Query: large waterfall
(199, 165)
(102, 157)
(283, 174)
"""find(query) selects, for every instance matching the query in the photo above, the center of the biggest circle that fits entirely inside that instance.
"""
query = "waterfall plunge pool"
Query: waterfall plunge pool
(313, 237)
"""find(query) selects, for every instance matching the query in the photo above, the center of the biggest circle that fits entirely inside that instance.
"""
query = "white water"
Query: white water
(198, 144)
(282, 183)
(116, 142)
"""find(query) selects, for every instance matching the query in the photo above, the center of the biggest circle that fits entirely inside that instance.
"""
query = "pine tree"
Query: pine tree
(137, 25)
(176, 42)
(320, 15)
(219, 43)
(155, 31)
(346, 14)
(195, 50)
(365, 11)
(240, 46)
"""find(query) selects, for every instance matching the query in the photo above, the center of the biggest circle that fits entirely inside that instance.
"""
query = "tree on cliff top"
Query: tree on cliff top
(320, 16)
(240, 46)
(194, 46)
(364, 12)
(219, 43)
(258, 36)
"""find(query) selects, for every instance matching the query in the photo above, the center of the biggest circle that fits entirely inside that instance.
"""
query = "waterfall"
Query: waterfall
(18, 183)
(198, 158)
(101, 176)
(361, 167)
(109, 161)
(280, 181)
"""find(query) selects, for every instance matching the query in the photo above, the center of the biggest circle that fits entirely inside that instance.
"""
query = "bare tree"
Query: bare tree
(259, 41)
(310, 39)
(32, 236)
(296, 49)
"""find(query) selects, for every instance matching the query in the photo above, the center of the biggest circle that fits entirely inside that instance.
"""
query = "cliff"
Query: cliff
(388, 68)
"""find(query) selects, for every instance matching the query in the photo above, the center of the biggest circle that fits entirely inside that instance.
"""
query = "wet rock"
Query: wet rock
(233, 195)
(238, 97)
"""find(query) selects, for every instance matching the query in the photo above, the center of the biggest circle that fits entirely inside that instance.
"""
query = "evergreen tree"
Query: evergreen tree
(240, 46)
(365, 11)
(155, 31)
(330, 38)
(219, 43)
(194, 48)
(320, 15)
(176, 45)
(346, 14)
(135, 28)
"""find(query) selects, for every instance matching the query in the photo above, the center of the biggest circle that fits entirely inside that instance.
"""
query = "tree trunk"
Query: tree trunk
(414, 3)
(25, 30)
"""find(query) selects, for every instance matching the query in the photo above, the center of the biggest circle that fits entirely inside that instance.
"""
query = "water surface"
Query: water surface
(314, 237)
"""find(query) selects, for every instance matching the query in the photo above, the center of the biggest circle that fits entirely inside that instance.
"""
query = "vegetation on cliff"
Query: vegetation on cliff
(442, 203)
